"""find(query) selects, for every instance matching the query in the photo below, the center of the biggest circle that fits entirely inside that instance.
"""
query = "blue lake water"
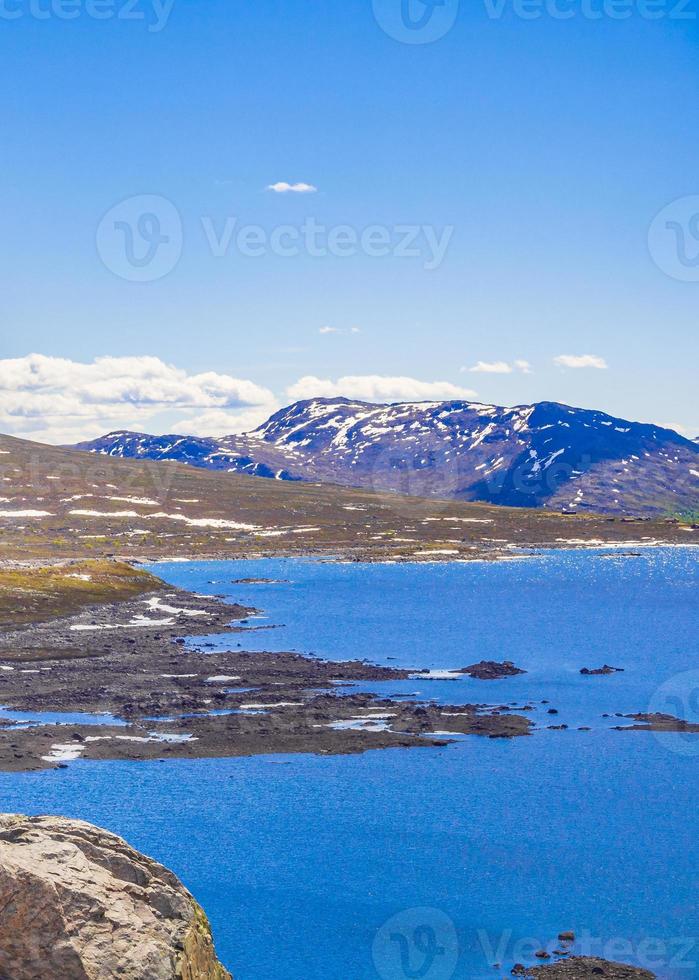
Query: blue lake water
(433, 863)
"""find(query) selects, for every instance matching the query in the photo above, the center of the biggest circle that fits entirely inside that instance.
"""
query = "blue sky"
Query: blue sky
(537, 152)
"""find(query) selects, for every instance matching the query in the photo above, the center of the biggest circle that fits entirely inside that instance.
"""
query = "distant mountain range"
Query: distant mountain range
(543, 455)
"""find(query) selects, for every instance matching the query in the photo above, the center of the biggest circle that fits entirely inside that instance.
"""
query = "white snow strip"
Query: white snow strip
(278, 704)
(136, 622)
(145, 501)
(437, 675)
(215, 522)
(158, 604)
(438, 551)
(64, 753)
(25, 513)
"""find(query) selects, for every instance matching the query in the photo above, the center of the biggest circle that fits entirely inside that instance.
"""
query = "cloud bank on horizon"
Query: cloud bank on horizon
(58, 400)
(53, 399)
(376, 388)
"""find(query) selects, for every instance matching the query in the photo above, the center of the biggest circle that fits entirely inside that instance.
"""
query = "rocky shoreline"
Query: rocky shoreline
(159, 697)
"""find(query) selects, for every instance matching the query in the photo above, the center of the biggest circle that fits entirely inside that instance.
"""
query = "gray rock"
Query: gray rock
(79, 904)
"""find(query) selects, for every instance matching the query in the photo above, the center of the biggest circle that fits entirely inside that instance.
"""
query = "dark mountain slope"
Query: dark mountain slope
(543, 455)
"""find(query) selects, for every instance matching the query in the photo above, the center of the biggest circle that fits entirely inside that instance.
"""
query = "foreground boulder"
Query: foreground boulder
(79, 904)
(588, 968)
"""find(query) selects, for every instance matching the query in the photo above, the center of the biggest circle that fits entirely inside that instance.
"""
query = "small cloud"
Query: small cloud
(282, 187)
(499, 367)
(581, 361)
(338, 330)
(490, 367)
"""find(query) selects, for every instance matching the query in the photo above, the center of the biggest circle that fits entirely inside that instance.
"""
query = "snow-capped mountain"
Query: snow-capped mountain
(546, 454)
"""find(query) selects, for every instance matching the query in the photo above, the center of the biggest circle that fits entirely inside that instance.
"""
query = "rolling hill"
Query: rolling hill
(57, 503)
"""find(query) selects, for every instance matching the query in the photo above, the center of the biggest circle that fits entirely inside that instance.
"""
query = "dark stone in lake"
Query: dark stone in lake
(587, 968)
(490, 670)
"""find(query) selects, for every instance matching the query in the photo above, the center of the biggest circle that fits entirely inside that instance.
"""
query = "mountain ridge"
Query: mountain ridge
(546, 454)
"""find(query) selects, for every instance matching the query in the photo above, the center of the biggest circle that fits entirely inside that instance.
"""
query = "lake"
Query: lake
(436, 863)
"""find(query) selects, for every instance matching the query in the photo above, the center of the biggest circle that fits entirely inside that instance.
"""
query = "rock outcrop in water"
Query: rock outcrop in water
(588, 968)
(79, 904)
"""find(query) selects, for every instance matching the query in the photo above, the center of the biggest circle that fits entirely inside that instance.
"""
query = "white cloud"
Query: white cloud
(688, 431)
(491, 367)
(377, 388)
(581, 361)
(282, 187)
(54, 399)
(499, 367)
(217, 422)
(331, 330)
